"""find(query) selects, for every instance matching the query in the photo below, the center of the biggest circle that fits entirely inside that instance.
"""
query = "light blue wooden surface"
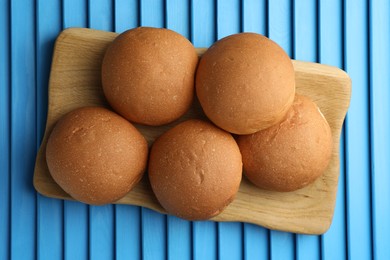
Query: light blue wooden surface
(331, 52)
(358, 188)
(5, 131)
(350, 34)
(379, 69)
(23, 135)
(49, 226)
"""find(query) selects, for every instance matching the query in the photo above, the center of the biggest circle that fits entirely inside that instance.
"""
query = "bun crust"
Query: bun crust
(195, 170)
(148, 75)
(95, 155)
(291, 154)
(245, 83)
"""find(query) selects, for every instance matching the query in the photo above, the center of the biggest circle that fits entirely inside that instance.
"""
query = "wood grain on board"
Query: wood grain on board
(75, 82)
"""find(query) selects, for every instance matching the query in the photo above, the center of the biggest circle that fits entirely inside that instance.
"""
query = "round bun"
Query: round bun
(148, 75)
(291, 154)
(95, 155)
(195, 170)
(245, 83)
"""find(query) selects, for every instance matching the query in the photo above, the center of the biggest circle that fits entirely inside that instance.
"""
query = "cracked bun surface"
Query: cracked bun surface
(245, 83)
(95, 155)
(290, 154)
(148, 75)
(195, 170)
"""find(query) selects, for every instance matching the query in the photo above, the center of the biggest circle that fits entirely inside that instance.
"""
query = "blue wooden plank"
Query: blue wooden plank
(49, 25)
(154, 225)
(152, 13)
(5, 133)
(256, 239)
(305, 30)
(305, 48)
(23, 123)
(279, 23)
(357, 132)
(76, 228)
(203, 34)
(331, 52)
(331, 31)
(74, 14)
(178, 17)
(228, 17)
(49, 228)
(204, 241)
(280, 30)
(179, 232)
(126, 15)
(127, 232)
(282, 245)
(179, 238)
(101, 218)
(254, 17)
(154, 232)
(307, 247)
(380, 125)
(50, 211)
(256, 242)
(101, 232)
(230, 238)
(101, 15)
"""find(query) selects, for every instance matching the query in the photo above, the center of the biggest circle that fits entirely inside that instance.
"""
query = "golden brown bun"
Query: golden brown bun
(148, 75)
(95, 155)
(245, 83)
(195, 170)
(291, 154)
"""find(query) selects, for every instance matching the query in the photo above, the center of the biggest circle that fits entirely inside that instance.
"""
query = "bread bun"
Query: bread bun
(95, 155)
(148, 75)
(195, 170)
(291, 154)
(245, 83)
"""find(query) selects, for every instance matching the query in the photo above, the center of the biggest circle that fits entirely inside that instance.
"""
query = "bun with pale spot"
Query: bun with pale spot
(95, 155)
(195, 170)
(245, 83)
(291, 154)
(148, 75)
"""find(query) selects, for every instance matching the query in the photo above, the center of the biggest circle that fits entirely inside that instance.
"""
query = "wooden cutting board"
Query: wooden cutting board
(75, 82)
